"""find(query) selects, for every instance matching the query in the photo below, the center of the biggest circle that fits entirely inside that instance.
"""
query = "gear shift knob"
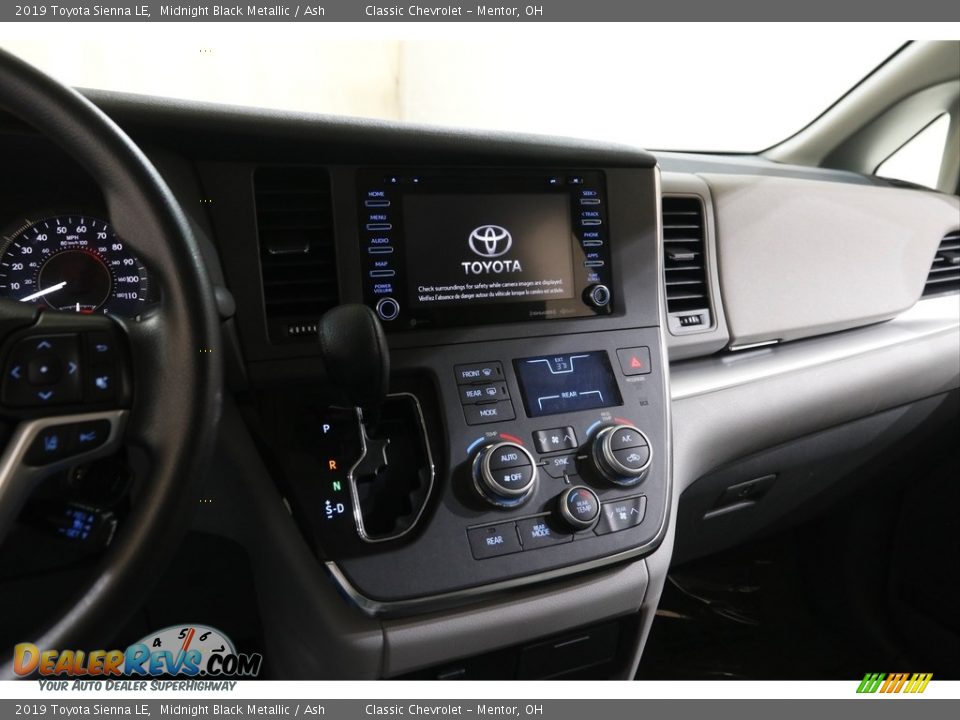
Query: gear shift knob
(356, 355)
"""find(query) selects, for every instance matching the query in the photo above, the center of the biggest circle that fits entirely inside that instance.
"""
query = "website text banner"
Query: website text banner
(538, 11)
(610, 709)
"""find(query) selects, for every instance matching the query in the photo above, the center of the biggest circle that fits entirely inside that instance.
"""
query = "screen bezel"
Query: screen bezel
(570, 183)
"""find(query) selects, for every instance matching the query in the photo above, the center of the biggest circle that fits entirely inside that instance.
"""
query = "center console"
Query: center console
(525, 436)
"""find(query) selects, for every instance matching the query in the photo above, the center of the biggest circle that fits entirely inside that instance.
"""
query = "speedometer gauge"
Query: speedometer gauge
(73, 262)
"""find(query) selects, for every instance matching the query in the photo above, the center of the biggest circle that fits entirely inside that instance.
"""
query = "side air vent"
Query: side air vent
(685, 264)
(297, 255)
(944, 274)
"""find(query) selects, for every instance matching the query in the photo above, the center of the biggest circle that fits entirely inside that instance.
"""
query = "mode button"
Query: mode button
(489, 413)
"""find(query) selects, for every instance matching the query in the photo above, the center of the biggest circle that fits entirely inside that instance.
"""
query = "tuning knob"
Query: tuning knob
(504, 474)
(622, 454)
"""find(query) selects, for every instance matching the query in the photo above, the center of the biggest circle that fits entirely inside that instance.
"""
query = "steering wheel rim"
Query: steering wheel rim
(174, 351)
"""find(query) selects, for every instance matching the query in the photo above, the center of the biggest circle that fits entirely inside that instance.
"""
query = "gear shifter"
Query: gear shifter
(357, 357)
(392, 479)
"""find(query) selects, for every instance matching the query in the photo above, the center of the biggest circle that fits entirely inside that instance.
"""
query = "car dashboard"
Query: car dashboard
(602, 361)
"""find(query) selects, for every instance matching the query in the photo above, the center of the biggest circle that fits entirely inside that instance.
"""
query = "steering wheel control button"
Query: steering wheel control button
(479, 373)
(621, 515)
(89, 435)
(556, 440)
(634, 361)
(579, 507)
(538, 532)
(59, 441)
(559, 466)
(50, 444)
(472, 394)
(489, 412)
(42, 370)
(101, 383)
(504, 474)
(622, 454)
(494, 540)
(388, 309)
(101, 347)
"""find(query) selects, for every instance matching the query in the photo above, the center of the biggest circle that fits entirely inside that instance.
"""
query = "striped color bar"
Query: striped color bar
(894, 682)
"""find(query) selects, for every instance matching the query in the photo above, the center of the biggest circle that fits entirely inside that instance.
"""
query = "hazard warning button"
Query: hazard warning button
(634, 361)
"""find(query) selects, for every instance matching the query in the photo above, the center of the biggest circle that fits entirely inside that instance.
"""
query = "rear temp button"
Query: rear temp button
(579, 507)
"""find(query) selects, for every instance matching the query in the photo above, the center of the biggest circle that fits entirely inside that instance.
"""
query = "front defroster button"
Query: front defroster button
(479, 372)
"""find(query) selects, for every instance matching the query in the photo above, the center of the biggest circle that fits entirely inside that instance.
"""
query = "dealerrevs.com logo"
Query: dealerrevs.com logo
(180, 650)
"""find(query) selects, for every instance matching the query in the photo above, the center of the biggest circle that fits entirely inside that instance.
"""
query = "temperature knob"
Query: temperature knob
(579, 507)
(504, 474)
(622, 454)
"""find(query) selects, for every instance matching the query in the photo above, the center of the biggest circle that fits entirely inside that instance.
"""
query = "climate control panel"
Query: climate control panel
(553, 458)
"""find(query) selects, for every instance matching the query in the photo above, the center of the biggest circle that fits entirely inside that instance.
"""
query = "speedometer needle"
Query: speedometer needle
(45, 291)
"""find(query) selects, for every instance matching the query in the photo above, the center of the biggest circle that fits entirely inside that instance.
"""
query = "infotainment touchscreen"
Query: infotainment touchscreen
(481, 249)
(457, 247)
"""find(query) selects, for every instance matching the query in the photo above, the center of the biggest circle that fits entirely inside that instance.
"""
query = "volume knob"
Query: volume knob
(622, 454)
(504, 474)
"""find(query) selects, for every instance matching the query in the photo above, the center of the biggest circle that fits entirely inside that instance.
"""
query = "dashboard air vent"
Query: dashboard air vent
(297, 254)
(685, 264)
(944, 274)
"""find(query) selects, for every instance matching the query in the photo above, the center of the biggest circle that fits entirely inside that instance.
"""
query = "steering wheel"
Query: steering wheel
(164, 369)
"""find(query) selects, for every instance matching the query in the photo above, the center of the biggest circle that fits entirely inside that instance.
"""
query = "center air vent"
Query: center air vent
(685, 264)
(297, 254)
(944, 274)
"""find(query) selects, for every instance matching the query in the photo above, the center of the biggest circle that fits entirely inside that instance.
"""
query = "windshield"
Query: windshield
(695, 90)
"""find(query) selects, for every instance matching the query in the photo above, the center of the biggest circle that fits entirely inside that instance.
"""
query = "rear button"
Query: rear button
(494, 540)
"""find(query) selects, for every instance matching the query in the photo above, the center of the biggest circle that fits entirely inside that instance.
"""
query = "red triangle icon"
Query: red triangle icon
(635, 362)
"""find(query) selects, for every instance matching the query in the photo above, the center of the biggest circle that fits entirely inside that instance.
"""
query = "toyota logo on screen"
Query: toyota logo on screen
(490, 241)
